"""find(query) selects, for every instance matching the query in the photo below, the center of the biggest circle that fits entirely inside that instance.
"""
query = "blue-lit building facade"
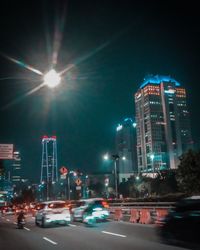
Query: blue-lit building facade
(163, 123)
(126, 148)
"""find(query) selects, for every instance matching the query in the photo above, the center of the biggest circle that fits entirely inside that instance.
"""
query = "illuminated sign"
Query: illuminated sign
(6, 151)
(170, 91)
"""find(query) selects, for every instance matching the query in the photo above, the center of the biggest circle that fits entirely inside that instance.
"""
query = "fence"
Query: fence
(140, 212)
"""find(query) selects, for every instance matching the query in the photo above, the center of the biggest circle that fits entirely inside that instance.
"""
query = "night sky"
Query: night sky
(112, 46)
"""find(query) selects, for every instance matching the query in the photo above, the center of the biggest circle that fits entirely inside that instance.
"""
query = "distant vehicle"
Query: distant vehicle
(90, 209)
(7, 210)
(52, 212)
(21, 223)
(182, 224)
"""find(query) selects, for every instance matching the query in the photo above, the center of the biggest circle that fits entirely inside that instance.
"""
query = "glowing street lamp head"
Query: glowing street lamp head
(52, 79)
(106, 157)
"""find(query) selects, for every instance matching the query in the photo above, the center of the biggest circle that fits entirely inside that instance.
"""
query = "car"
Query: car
(6, 210)
(182, 223)
(52, 212)
(96, 208)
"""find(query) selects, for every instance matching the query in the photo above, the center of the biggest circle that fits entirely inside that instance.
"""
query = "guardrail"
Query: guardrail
(142, 204)
(140, 212)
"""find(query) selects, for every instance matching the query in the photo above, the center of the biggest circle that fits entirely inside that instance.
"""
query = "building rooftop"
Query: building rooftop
(157, 79)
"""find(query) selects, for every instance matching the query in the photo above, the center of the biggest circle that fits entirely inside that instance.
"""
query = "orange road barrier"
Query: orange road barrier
(135, 215)
(145, 216)
(160, 214)
(118, 214)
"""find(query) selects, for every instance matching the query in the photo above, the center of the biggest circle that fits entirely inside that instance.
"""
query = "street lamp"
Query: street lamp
(106, 157)
(68, 182)
(52, 79)
(137, 178)
(115, 158)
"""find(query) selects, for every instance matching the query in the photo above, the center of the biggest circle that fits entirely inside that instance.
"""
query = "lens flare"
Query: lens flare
(52, 79)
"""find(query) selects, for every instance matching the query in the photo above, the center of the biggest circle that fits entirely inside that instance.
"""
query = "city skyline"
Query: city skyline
(113, 47)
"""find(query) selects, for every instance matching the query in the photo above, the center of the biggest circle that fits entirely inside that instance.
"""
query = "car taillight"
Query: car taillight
(105, 204)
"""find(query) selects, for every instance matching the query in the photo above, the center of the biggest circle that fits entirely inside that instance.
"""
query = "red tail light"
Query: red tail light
(105, 204)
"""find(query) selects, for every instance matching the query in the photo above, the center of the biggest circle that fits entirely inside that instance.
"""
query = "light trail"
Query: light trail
(22, 64)
(17, 100)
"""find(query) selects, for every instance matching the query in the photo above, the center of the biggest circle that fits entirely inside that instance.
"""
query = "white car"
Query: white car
(51, 212)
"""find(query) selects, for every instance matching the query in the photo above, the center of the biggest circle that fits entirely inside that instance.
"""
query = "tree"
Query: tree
(188, 173)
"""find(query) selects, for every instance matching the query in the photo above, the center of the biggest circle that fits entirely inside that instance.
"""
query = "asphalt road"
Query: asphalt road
(103, 236)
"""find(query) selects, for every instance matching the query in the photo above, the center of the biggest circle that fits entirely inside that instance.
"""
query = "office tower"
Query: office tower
(126, 148)
(49, 168)
(163, 123)
(15, 173)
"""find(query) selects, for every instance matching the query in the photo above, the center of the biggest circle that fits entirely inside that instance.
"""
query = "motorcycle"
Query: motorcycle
(20, 224)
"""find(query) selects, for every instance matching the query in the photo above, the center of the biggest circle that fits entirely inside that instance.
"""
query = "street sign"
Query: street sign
(63, 176)
(6, 151)
(78, 182)
(63, 170)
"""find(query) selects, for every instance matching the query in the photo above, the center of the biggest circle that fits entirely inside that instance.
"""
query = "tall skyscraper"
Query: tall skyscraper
(16, 171)
(49, 166)
(163, 123)
(126, 148)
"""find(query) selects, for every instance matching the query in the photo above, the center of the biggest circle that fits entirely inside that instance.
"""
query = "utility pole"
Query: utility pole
(116, 158)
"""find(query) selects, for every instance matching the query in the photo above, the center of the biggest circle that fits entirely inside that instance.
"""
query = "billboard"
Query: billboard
(6, 151)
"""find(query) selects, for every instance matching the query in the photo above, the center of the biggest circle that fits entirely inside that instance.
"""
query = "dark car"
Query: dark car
(182, 224)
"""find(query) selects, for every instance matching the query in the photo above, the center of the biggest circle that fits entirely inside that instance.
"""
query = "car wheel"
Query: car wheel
(36, 222)
(43, 223)
(91, 222)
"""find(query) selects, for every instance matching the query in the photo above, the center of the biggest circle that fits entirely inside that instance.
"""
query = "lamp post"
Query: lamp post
(115, 157)
(68, 182)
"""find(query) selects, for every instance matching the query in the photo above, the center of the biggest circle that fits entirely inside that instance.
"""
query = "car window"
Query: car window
(57, 205)
(98, 203)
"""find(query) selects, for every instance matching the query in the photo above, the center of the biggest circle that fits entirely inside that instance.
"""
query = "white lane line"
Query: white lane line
(51, 241)
(120, 235)
(15, 223)
(27, 228)
(72, 225)
(7, 219)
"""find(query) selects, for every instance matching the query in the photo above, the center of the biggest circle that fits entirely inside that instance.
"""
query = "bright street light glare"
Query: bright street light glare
(123, 158)
(106, 157)
(52, 79)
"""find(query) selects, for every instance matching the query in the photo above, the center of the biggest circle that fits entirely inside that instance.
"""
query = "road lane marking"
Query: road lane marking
(120, 235)
(27, 228)
(15, 223)
(51, 241)
(7, 219)
(72, 225)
